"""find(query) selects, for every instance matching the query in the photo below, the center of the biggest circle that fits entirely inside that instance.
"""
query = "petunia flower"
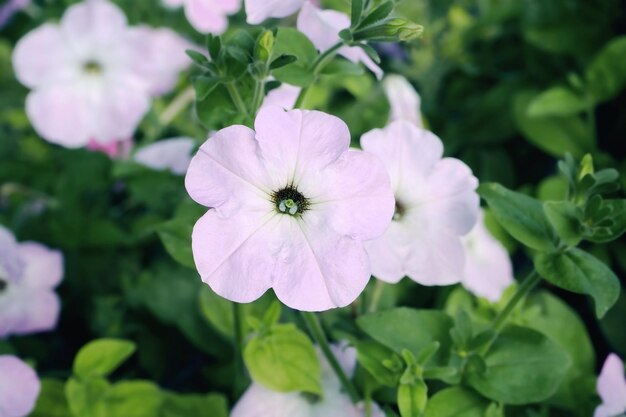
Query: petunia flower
(19, 387)
(488, 270)
(259, 10)
(612, 388)
(322, 27)
(259, 401)
(436, 204)
(114, 150)
(29, 272)
(291, 207)
(9, 8)
(284, 96)
(169, 154)
(207, 16)
(404, 100)
(92, 76)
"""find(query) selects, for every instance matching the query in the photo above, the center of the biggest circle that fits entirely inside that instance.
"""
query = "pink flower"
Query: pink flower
(436, 204)
(612, 388)
(19, 387)
(92, 76)
(28, 303)
(169, 154)
(323, 27)
(404, 100)
(259, 10)
(488, 269)
(207, 16)
(284, 96)
(291, 206)
(259, 401)
(114, 150)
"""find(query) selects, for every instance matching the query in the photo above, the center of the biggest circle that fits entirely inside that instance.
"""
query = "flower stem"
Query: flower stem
(318, 65)
(315, 327)
(377, 293)
(236, 98)
(522, 291)
(180, 102)
(238, 335)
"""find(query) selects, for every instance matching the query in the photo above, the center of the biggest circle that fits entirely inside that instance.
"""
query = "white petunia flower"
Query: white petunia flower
(612, 388)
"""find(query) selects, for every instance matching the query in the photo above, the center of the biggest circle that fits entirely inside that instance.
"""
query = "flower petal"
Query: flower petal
(318, 269)
(42, 57)
(355, 193)
(19, 387)
(227, 172)
(236, 256)
(612, 384)
(404, 100)
(206, 16)
(388, 254)
(259, 401)
(298, 143)
(43, 267)
(436, 258)
(173, 154)
(11, 263)
(259, 10)
(38, 311)
(284, 96)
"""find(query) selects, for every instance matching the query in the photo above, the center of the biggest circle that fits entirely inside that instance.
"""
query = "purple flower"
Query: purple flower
(29, 272)
(291, 207)
(19, 387)
(612, 388)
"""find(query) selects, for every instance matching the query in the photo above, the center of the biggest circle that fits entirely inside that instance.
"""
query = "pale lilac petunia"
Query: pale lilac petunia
(169, 154)
(259, 401)
(28, 303)
(284, 96)
(436, 204)
(19, 387)
(291, 207)
(612, 388)
(488, 269)
(207, 16)
(92, 76)
(404, 100)
(259, 10)
(322, 27)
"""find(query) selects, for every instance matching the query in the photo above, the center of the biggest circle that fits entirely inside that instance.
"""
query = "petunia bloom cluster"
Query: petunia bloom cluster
(260, 401)
(92, 76)
(29, 272)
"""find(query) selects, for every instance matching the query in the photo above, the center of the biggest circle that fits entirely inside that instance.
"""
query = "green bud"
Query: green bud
(586, 167)
(264, 46)
(390, 30)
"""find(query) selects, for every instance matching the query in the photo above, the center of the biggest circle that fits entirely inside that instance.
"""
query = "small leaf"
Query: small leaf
(372, 356)
(412, 399)
(606, 75)
(205, 86)
(557, 101)
(282, 61)
(456, 402)
(580, 272)
(197, 58)
(378, 14)
(356, 12)
(520, 215)
(565, 217)
(101, 357)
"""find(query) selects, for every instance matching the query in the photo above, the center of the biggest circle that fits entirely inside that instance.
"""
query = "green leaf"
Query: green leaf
(618, 228)
(133, 399)
(554, 135)
(374, 357)
(85, 398)
(51, 401)
(284, 360)
(523, 366)
(197, 57)
(282, 61)
(606, 75)
(405, 328)
(290, 41)
(520, 215)
(356, 12)
(211, 405)
(412, 398)
(175, 235)
(565, 217)
(101, 357)
(456, 402)
(378, 14)
(556, 101)
(580, 272)
(205, 86)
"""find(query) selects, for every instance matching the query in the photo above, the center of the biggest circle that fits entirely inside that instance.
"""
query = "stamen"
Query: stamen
(92, 67)
(290, 201)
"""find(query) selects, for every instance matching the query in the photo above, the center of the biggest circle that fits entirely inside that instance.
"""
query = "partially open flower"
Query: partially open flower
(92, 76)
(612, 388)
(259, 401)
(29, 272)
(323, 26)
(19, 387)
(404, 100)
(488, 268)
(207, 16)
(436, 204)
(291, 207)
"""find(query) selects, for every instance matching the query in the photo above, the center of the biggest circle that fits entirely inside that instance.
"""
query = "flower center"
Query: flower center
(399, 211)
(92, 67)
(3, 285)
(290, 201)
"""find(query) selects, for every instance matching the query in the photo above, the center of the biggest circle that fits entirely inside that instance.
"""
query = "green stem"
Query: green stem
(591, 122)
(315, 327)
(257, 99)
(238, 335)
(522, 291)
(180, 102)
(377, 293)
(318, 65)
(236, 97)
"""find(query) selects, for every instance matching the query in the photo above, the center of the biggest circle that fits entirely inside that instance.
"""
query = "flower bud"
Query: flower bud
(390, 30)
